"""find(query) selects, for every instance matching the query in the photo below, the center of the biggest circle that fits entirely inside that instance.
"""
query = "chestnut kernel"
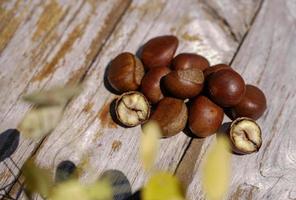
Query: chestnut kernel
(150, 85)
(205, 117)
(159, 51)
(245, 136)
(171, 115)
(190, 60)
(125, 72)
(132, 108)
(252, 105)
(184, 83)
(210, 70)
(226, 87)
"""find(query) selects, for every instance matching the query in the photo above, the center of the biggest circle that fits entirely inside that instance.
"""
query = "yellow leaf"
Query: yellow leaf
(53, 96)
(216, 170)
(74, 190)
(162, 186)
(37, 180)
(149, 144)
(40, 121)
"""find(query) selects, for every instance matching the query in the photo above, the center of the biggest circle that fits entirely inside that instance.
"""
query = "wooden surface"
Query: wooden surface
(65, 42)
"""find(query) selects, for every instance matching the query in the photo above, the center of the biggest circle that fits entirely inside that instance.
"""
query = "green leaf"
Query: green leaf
(37, 180)
(53, 96)
(73, 190)
(149, 144)
(162, 186)
(216, 170)
(40, 121)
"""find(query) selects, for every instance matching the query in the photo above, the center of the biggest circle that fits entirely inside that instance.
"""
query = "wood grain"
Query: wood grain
(266, 58)
(59, 46)
(198, 32)
(55, 46)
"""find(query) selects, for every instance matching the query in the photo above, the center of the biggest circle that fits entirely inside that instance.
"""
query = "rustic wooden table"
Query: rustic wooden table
(57, 42)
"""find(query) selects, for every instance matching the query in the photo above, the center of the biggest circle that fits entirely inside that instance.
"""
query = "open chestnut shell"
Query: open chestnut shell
(132, 108)
(171, 114)
(245, 136)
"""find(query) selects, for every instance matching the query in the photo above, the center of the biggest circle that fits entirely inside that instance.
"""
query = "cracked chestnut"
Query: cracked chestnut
(184, 83)
(190, 60)
(205, 117)
(150, 85)
(132, 108)
(245, 136)
(226, 87)
(125, 72)
(159, 51)
(252, 105)
(171, 114)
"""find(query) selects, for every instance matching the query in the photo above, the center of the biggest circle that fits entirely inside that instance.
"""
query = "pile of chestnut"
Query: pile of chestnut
(157, 85)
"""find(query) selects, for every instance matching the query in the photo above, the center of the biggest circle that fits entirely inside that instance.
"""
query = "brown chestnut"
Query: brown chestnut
(210, 70)
(252, 105)
(159, 51)
(125, 72)
(245, 136)
(190, 60)
(150, 85)
(226, 87)
(184, 83)
(171, 115)
(132, 108)
(205, 117)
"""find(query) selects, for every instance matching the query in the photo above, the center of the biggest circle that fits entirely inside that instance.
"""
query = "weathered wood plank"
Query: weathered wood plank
(267, 58)
(55, 46)
(83, 136)
(225, 10)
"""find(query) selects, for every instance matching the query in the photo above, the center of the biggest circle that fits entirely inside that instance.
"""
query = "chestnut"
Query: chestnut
(171, 115)
(184, 83)
(190, 60)
(252, 105)
(205, 117)
(132, 108)
(210, 70)
(150, 85)
(245, 136)
(125, 72)
(226, 87)
(159, 51)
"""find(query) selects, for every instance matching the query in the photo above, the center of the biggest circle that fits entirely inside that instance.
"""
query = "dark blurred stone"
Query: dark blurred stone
(120, 184)
(64, 171)
(9, 141)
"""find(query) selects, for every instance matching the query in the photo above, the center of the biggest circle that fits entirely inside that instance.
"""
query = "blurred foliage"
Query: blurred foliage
(149, 144)
(49, 106)
(216, 170)
(53, 96)
(40, 121)
(162, 186)
(74, 190)
(37, 180)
